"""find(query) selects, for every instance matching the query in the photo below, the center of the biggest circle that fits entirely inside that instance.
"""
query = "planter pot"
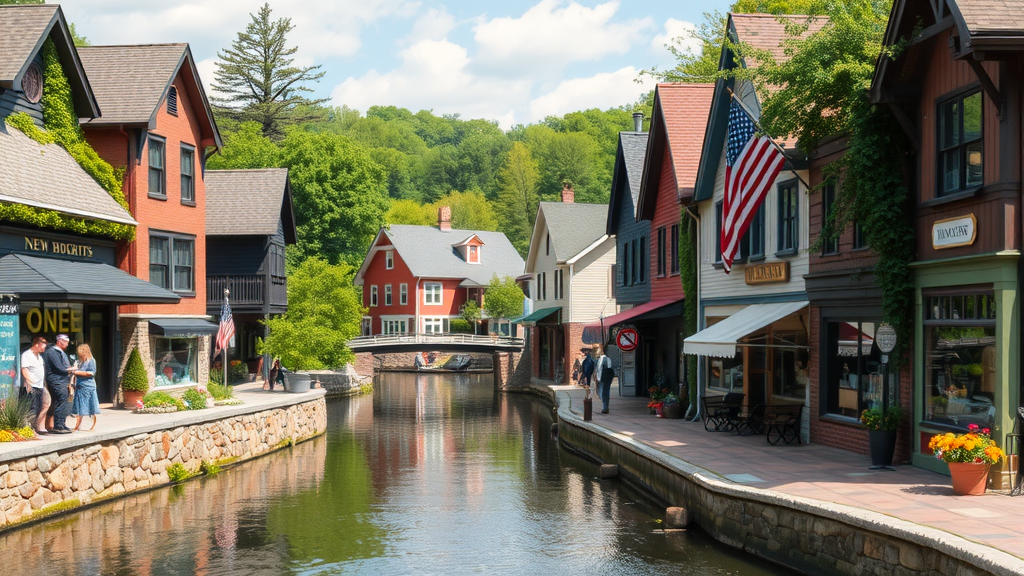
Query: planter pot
(674, 412)
(883, 446)
(969, 478)
(297, 382)
(660, 412)
(132, 398)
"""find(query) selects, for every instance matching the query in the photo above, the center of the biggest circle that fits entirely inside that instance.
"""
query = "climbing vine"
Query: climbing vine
(688, 276)
(62, 128)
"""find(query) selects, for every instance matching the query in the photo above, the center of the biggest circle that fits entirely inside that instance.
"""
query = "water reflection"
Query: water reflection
(431, 475)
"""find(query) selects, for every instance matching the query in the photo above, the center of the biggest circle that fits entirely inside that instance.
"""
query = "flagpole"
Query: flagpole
(781, 150)
(224, 353)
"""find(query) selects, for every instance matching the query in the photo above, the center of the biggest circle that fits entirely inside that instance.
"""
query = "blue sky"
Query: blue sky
(514, 61)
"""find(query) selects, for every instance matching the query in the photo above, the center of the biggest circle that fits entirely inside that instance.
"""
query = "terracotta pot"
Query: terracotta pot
(132, 398)
(969, 478)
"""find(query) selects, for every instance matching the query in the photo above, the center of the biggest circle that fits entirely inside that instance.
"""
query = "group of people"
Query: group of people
(600, 369)
(57, 386)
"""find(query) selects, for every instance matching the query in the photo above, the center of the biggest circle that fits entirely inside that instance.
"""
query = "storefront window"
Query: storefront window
(789, 366)
(852, 373)
(726, 374)
(51, 318)
(176, 360)
(960, 360)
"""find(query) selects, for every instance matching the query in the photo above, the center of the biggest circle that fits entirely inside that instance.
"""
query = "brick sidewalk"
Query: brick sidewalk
(819, 473)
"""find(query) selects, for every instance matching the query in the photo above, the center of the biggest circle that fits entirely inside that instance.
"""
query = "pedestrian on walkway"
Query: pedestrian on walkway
(587, 368)
(85, 403)
(32, 378)
(58, 381)
(605, 374)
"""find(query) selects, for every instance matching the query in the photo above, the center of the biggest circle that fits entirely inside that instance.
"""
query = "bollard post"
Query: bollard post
(588, 409)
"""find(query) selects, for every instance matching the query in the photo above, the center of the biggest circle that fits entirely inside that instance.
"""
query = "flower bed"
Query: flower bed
(19, 435)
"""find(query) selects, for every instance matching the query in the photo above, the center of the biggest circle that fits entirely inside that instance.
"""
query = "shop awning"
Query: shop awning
(34, 278)
(652, 310)
(721, 339)
(181, 327)
(537, 316)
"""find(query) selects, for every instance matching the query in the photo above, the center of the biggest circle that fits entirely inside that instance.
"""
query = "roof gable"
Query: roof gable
(249, 203)
(572, 227)
(626, 177)
(678, 123)
(23, 31)
(472, 240)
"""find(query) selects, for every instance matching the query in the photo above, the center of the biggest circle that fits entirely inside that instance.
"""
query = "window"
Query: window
(718, 233)
(789, 223)
(789, 367)
(625, 264)
(176, 360)
(188, 190)
(674, 251)
(543, 285)
(561, 282)
(435, 325)
(860, 240)
(633, 261)
(474, 254)
(547, 244)
(432, 292)
(960, 143)
(389, 260)
(388, 326)
(157, 183)
(750, 246)
(830, 245)
(643, 260)
(852, 368)
(403, 294)
(960, 360)
(172, 101)
(387, 294)
(373, 295)
(172, 262)
(558, 284)
(661, 251)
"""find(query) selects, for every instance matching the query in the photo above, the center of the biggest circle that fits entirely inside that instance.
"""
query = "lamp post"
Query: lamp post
(885, 339)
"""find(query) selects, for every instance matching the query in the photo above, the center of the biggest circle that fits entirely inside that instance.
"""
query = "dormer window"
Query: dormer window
(474, 254)
(32, 83)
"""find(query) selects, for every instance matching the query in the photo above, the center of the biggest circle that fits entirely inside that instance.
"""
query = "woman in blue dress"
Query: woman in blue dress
(86, 402)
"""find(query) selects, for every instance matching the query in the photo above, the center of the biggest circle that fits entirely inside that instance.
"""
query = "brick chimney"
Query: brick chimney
(638, 121)
(444, 219)
(568, 193)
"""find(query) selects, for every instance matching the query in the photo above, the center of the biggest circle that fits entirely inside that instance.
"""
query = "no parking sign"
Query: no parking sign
(627, 339)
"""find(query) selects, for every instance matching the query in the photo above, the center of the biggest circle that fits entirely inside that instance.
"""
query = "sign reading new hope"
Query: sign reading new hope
(953, 232)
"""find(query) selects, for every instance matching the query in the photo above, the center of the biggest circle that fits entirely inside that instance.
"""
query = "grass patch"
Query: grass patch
(366, 388)
(177, 472)
(285, 442)
(225, 462)
(209, 468)
(55, 508)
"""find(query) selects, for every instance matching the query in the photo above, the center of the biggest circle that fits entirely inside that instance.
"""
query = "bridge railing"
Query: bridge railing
(434, 339)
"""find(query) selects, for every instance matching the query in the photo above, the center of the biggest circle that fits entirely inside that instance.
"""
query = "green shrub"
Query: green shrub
(135, 378)
(460, 326)
(220, 392)
(209, 468)
(177, 472)
(194, 399)
(15, 412)
(238, 372)
(158, 399)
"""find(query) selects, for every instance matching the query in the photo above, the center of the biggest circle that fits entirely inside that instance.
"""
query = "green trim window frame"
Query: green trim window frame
(828, 200)
(661, 252)
(188, 175)
(172, 259)
(156, 155)
(788, 220)
(674, 251)
(959, 142)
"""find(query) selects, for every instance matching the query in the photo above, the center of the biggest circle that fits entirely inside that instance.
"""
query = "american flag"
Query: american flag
(226, 329)
(751, 165)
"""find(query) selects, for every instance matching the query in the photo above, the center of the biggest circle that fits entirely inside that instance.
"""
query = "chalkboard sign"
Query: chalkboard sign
(9, 344)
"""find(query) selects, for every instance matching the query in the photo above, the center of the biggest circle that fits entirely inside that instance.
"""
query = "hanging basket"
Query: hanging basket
(969, 478)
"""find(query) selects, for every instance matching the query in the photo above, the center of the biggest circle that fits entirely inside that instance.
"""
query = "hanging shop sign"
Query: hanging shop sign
(767, 273)
(9, 345)
(40, 320)
(953, 232)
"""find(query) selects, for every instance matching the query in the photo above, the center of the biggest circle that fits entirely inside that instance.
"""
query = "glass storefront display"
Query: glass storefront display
(789, 366)
(176, 361)
(726, 374)
(960, 360)
(853, 368)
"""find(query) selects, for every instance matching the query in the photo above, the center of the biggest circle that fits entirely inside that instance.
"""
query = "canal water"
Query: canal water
(432, 474)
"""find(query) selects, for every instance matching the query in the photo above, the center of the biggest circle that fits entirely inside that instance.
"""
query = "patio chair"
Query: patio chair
(720, 412)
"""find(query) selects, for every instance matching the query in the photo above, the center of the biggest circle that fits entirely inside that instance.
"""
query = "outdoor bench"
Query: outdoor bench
(720, 411)
(782, 423)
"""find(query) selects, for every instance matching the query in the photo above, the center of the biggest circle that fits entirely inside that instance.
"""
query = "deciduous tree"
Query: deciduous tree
(517, 202)
(503, 298)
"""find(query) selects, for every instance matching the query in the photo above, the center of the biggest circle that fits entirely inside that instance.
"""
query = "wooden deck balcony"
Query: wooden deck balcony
(248, 293)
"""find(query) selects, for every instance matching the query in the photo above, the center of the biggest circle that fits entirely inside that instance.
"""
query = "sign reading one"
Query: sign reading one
(627, 339)
(767, 273)
(953, 232)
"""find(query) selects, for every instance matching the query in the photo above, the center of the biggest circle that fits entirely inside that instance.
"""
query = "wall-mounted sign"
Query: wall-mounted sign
(627, 339)
(52, 245)
(767, 273)
(9, 345)
(56, 247)
(953, 232)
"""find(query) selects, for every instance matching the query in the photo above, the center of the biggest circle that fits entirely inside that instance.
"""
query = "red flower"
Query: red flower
(972, 427)
(986, 431)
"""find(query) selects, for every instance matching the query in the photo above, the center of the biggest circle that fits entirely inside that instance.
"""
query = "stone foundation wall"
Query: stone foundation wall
(806, 537)
(404, 361)
(60, 481)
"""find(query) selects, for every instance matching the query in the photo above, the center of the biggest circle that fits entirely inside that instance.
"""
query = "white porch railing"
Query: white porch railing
(435, 339)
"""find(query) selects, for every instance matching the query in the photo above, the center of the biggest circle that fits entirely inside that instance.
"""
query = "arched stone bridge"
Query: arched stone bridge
(435, 343)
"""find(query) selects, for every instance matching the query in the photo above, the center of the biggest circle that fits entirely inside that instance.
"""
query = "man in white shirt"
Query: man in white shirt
(32, 374)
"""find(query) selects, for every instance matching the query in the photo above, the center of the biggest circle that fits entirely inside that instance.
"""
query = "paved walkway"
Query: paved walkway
(819, 473)
(117, 423)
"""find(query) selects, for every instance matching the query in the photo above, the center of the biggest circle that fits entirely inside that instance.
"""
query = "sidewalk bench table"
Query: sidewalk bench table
(782, 423)
(720, 411)
(750, 422)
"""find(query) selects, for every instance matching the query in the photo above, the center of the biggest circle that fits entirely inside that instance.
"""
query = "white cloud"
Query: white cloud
(679, 33)
(604, 90)
(434, 24)
(433, 75)
(549, 36)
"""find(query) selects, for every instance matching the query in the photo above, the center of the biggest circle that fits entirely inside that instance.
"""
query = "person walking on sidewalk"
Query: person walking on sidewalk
(605, 373)
(587, 368)
(58, 380)
(32, 377)
(85, 403)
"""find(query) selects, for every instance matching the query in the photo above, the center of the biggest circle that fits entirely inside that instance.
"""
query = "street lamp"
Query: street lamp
(885, 339)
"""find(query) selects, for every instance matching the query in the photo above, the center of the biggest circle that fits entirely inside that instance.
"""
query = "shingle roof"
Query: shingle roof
(428, 253)
(48, 177)
(986, 17)
(130, 81)
(21, 32)
(58, 279)
(573, 227)
(634, 146)
(684, 108)
(767, 32)
(245, 202)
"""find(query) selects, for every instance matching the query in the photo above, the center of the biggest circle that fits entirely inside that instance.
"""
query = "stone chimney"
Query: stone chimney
(638, 121)
(444, 219)
(568, 193)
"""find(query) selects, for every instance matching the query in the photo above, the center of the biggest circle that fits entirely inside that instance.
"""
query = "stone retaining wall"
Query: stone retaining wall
(810, 537)
(60, 481)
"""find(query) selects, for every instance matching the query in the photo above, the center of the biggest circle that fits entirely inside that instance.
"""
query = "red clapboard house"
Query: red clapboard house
(416, 279)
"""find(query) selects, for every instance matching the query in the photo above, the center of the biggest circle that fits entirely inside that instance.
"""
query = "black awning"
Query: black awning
(181, 327)
(34, 278)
